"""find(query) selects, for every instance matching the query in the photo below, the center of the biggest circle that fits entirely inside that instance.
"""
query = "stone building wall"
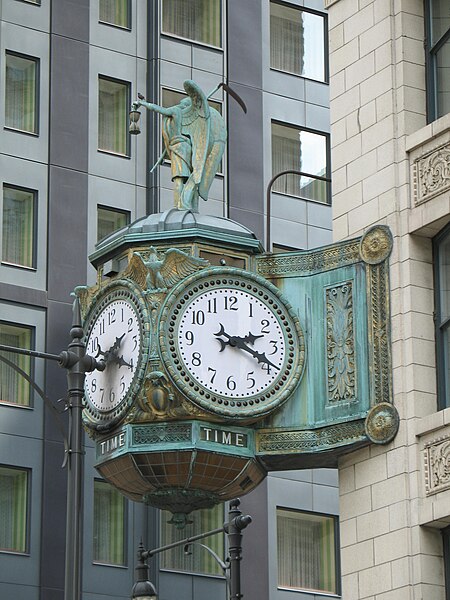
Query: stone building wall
(389, 167)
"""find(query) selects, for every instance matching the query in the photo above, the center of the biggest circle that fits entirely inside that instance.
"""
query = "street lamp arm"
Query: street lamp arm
(41, 393)
(224, 566)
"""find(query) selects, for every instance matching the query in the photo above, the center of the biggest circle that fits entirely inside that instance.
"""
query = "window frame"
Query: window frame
(335, 519)
(164, 568)
(35, 2)
(442, 392)
(35, 194)
(327, 158)
(326, 61)
(128, 27)
(37, 81)
(190, 40)
(128, 102)
(122, 211)
(31, 374)
(28, 472)
(430, 63)
(123, 565)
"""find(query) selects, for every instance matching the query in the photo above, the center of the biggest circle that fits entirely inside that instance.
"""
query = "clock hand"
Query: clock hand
(121, 362)
(240, 342)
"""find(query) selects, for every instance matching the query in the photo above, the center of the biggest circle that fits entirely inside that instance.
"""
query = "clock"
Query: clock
(231, 342)
(115, 335)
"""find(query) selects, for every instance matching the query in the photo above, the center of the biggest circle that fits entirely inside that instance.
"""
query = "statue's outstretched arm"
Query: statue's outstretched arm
(167, 112)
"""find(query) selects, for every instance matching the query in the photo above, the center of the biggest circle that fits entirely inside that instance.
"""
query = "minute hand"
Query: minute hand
(260, 356)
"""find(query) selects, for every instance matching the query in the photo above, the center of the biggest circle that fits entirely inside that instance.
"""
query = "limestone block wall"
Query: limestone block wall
(387, 166)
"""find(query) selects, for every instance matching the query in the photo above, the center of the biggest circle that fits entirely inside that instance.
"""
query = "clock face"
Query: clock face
(233, 345)
(114, 336)
(231, 342)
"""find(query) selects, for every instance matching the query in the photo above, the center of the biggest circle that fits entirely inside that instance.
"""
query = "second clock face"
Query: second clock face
(231, 342)
(115, 337)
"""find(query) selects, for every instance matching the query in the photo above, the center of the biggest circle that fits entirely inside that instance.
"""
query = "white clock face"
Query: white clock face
(115, 337)
(231, 342)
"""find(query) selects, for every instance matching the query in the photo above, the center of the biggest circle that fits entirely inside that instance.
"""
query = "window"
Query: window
(115, 12)
(297, 41)
(438, 57)
(18, 226)
(199, 560)
(21, 93)
(446, 547)
(114, 105)
(198, 20)
(13, 509)
(442, 319)
(305, 151)
(14, 388)
(110, 220)
(307, 551)
(110, 509)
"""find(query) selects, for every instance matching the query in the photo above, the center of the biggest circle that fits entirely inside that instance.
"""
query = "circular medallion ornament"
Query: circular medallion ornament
(115, 334)
(231, 343)
(382, 423)
(376, 244)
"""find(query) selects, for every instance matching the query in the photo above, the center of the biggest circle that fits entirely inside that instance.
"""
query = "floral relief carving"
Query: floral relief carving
(340, 344)
(433, 173)
(437, 466)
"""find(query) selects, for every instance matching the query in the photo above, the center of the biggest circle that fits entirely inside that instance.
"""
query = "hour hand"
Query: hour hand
(123, 363)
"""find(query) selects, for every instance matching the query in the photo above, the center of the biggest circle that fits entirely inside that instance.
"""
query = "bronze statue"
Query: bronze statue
(194, 136)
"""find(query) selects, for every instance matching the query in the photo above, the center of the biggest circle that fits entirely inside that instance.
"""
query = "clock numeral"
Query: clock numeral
(265, 326)
(266, 367)
(198, 317)
(251, 380)
(212, 305)
(214, 371)
(231, 384)
(135, 342)
(93, 385)
(189, 337)
(122, 384)
(130, 325)
(196, 359)
(112, 395)
(112, 316)
(230, 302)
(131, 363)
(250, 309)
(94, 345)
(102, 396)
(275, 347)
(102, 326)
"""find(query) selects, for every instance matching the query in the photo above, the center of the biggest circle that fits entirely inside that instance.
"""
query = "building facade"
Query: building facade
(389, 87)
(70, 174)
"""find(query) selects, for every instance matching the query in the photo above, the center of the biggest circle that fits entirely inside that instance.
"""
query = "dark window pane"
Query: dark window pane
(198, 20)
(113, 111)
(306, 547)
(115, 12)
(297, 43)
(13, 509)
(21, 93)
(13, 387)
(443, 78)
(110, 220)
(200, 561)
(18, 217)
(299, 150)
(440, 19)
(109, 524)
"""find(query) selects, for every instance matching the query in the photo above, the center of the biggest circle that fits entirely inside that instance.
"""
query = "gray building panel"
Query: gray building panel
(69, 103)
(70, 18)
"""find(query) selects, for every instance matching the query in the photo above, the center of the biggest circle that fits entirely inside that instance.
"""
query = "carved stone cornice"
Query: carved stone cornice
(431, 174)
(437, 465)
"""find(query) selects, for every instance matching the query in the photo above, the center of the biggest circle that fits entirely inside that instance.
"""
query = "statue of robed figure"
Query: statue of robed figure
(194, 136)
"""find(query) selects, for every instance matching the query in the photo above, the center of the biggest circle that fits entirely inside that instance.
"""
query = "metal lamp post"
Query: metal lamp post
(145, 590)
(77, 363)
